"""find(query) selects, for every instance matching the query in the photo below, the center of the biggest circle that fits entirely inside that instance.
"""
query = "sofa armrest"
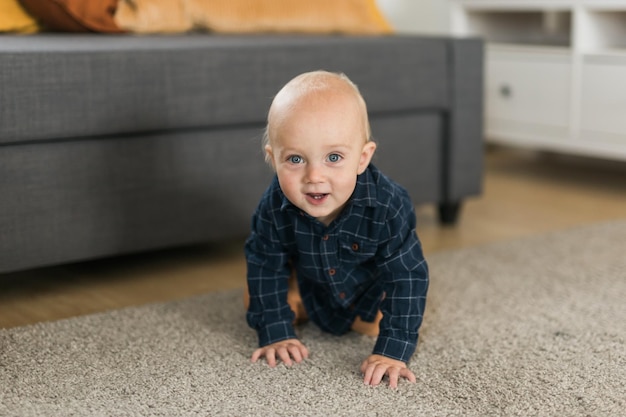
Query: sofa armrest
(463, 142)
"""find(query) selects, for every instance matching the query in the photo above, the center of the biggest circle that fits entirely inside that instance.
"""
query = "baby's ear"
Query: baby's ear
(366, 155)
(269, 156)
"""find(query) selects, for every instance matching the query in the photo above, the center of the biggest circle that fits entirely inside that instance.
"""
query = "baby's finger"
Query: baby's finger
(257, 354)
(379, 373)
(394, 374)
(368, 371)
(304, 351)
(406, 373)
(284, 356)
(295, 353)
(364, 366)
(270, 356)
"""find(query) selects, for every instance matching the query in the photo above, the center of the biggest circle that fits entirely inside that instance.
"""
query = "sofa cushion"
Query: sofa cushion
(75, 15)
(55, 86)
(252, 16)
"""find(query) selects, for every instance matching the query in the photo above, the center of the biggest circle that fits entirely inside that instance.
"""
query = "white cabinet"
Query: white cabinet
(555, 72)
(527, 94)
(603, 95)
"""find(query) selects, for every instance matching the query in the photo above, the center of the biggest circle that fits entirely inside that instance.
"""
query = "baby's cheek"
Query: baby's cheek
(288, 182)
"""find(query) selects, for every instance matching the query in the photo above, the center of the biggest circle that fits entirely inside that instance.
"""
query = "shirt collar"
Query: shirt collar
(364, 193)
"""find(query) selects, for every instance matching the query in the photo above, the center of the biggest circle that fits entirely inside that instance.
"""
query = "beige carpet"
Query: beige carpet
(529, 327)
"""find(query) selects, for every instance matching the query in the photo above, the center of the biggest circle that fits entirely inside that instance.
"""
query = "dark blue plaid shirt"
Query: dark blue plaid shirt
(368, 258)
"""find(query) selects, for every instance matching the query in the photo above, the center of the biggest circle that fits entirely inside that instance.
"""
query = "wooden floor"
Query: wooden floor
(525, 193)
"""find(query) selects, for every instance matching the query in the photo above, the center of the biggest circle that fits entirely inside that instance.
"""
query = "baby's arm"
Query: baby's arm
(375, 367)
(405, 284)
(285, 349)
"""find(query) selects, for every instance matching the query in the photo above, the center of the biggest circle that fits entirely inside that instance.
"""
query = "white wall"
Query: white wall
(417, 16)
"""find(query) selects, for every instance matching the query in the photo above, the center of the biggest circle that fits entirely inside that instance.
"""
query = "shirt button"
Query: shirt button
(331, 271)
(355, 246)
(342, 295)
(325, 237)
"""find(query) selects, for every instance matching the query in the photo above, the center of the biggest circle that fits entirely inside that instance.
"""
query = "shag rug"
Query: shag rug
(529, 327)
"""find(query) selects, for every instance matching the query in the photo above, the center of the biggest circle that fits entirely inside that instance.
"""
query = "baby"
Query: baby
(333, 240)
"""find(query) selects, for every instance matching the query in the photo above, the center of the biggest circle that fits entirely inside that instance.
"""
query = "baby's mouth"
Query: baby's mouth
(316, 198)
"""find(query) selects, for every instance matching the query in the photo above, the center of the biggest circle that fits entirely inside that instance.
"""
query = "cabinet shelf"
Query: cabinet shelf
(604, 29)
(606, 55)
(554, 71)
(522, 27)
(530, 48)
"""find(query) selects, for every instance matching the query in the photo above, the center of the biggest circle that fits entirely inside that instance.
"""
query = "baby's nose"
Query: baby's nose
(314, 173)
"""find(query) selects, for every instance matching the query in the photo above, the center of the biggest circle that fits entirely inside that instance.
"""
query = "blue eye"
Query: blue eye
(295, 159)
(333, 157)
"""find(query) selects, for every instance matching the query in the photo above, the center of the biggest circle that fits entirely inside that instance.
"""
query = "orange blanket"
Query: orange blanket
(246, 16)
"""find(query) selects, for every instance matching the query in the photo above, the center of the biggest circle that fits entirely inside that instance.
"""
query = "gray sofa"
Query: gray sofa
(118, 144)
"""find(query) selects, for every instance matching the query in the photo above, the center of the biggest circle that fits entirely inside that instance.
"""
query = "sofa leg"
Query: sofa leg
(449, 212)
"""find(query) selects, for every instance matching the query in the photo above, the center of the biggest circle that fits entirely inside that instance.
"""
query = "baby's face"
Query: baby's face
(317, 149)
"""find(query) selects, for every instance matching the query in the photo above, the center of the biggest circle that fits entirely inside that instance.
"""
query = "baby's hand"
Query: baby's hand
(375, 367)
(285, 349)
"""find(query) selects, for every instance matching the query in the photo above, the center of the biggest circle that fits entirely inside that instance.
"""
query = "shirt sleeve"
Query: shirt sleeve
(268, 275)
(405, 281)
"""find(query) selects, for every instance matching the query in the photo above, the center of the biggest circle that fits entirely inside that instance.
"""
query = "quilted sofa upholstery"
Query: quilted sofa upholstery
(118, 144)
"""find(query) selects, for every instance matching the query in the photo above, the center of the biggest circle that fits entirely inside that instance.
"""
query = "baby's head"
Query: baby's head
(306, 87)
(318, 140)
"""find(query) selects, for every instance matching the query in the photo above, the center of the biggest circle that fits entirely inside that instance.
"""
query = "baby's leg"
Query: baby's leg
(369, 329)
(293, 299)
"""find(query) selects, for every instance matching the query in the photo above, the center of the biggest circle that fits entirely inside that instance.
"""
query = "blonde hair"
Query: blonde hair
(317, 81)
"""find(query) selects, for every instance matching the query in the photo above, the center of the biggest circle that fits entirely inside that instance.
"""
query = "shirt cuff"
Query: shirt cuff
(276, 332)
(394, 348)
